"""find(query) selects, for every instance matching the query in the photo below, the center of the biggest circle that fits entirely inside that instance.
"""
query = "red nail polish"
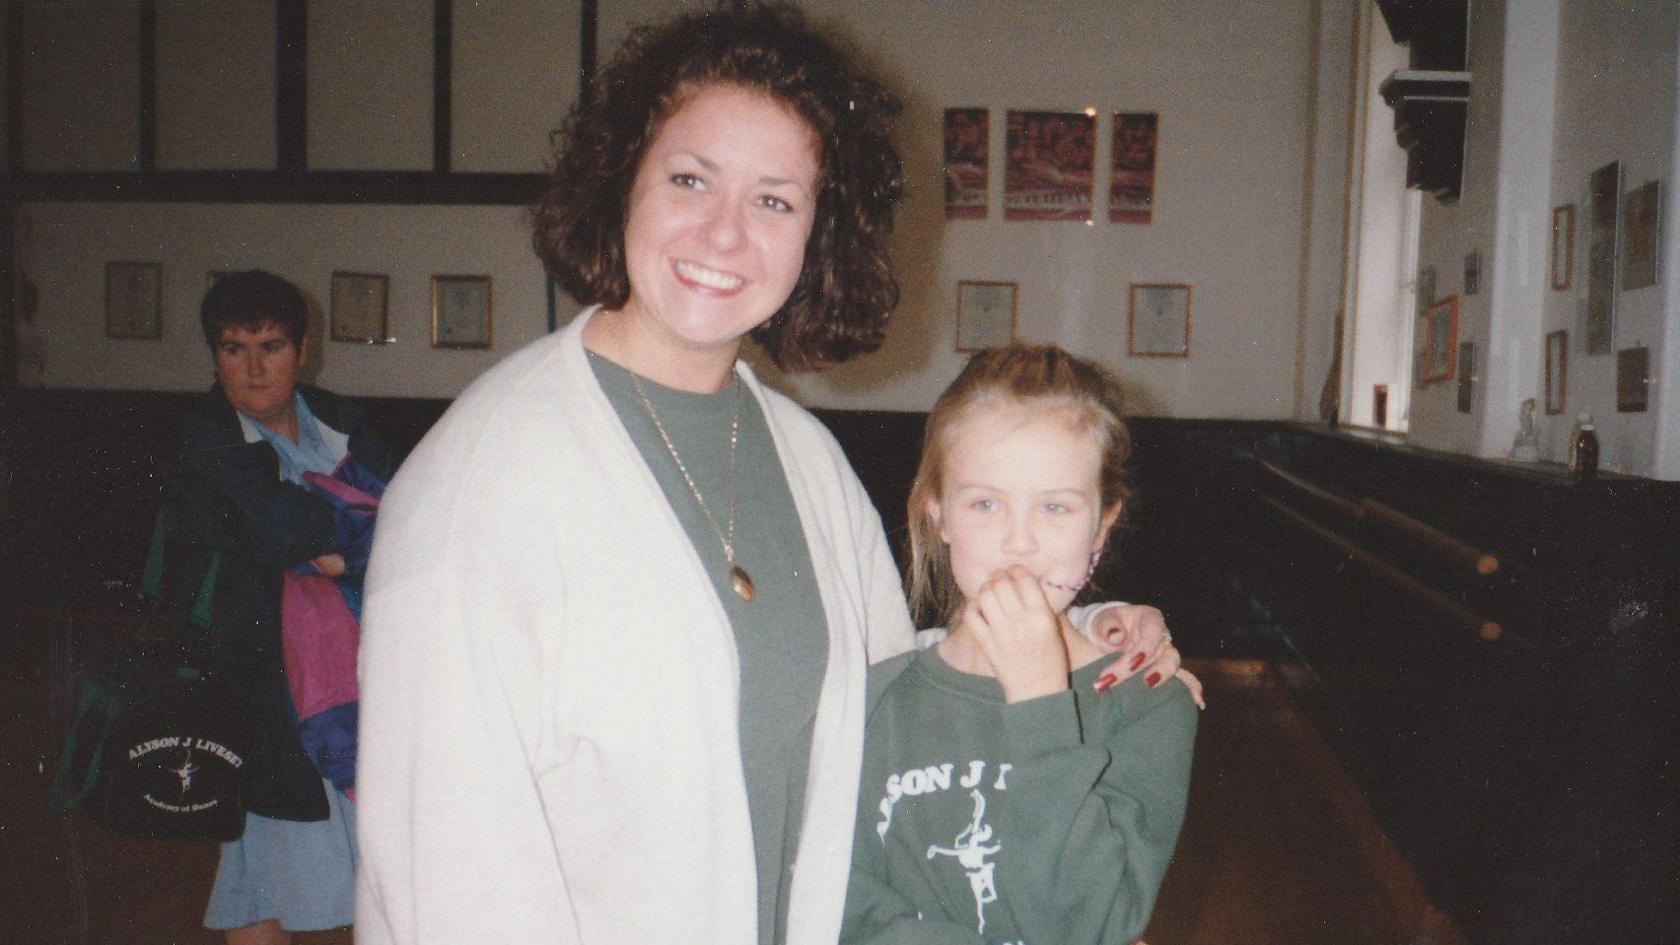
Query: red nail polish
(1152, 680)
(1106, 680)
(1136, 662)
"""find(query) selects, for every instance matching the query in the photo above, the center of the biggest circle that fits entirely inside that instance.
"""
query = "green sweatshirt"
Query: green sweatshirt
(1046, 822)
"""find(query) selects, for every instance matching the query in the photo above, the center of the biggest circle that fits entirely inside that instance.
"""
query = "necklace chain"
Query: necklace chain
(725, 534)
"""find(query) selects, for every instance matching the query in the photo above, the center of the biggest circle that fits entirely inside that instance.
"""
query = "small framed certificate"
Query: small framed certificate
(985, 314)
(134, 300)
(1160, 321)
(359, 307)
(460, 311)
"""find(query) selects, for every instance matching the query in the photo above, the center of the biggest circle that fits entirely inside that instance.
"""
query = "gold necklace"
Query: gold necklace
(738, 578)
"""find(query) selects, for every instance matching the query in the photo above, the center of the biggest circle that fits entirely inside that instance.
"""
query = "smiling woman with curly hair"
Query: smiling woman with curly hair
(624, 596)
(846, 290)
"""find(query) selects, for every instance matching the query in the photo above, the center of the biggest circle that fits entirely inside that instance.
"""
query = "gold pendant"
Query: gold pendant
(743, 585)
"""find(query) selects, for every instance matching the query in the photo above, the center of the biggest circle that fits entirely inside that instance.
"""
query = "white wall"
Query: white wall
(1616, 101)
(1381, 303)
(1229, 202)
(1548, 106)
(69, 244)
(1250, 179)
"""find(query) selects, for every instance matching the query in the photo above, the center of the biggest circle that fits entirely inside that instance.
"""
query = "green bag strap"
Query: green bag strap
(94, 702)
(151, 578)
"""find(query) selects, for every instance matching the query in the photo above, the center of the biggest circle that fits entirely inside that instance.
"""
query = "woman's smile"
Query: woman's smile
(702, 277)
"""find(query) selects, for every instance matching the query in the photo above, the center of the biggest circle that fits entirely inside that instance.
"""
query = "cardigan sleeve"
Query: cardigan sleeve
(450, 815)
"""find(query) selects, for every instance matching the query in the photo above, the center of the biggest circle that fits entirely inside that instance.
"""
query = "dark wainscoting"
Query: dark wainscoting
(1528, 779)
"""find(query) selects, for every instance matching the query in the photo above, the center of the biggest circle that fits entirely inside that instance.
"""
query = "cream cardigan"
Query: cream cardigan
(549, 744)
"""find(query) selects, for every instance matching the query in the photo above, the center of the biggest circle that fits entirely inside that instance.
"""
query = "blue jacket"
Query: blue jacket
(224, 494)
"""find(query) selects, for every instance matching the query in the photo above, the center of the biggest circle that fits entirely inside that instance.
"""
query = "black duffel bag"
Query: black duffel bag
(156, 753)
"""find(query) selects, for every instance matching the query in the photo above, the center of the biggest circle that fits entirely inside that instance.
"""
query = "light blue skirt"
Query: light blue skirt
(300, 873)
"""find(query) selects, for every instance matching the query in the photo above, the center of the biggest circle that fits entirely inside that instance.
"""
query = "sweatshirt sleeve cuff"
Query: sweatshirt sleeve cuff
(1043, 725)
(1083, 616)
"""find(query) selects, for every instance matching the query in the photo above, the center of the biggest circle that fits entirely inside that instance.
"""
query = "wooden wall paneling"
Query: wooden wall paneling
(509, 96)
(80, 81)
(370, 86)
(146, 159)
(291, 84)
(443, 32)
(12, 49)
(217, 81)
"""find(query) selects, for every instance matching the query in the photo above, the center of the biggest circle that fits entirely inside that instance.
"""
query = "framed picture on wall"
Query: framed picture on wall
(134, 300)
(1049, 165)
(1557, 371)
(1633, 380)
(1641, 235)
(985, 314)
(1604, 192)
(1563, 246)
(460, 311)
(1440, 340)
(1379, 406)
(1472, 272)
(967, 162)
(359, 307)
(1131, 185)
(1466, 374)
(1159, 324)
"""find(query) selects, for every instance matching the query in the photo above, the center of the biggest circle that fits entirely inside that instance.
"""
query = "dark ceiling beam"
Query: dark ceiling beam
(354, 187)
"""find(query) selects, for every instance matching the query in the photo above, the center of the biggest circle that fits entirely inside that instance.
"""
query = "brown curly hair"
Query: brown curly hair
(846, 290)
(1044, 377)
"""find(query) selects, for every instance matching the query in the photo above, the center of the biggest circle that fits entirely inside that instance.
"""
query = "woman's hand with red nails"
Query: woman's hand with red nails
(1139, 633)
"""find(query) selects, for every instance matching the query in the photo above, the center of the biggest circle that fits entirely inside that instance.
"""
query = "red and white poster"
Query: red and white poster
(1131, 191)
(1049, 170)
(967, 164)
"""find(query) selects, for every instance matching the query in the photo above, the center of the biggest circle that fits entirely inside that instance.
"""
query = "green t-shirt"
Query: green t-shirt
(781, 637)
(1046, 822)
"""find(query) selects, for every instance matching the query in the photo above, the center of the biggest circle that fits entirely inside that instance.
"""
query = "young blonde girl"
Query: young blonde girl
(1005, 797)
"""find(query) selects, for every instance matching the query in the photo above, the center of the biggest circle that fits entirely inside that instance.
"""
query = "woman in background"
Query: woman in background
(236, 489)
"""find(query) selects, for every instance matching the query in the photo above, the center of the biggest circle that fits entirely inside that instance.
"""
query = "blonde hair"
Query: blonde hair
(1042, 376)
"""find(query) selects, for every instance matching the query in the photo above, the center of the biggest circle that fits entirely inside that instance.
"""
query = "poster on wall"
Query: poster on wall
(1048, 173)
(1641, 235)
(1131, 188)
(967, 163)
(1604, 192)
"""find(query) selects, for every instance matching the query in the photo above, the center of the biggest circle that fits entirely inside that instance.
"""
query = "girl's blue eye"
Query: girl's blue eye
(983, 505)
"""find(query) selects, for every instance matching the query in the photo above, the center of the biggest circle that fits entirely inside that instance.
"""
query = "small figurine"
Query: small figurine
(1526, 449)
